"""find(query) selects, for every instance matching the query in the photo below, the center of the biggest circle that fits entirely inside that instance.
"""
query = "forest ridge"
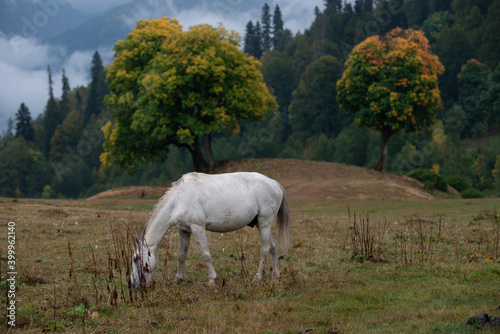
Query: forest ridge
(57, 155)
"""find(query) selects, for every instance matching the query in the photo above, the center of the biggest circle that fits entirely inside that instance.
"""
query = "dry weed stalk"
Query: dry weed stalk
(415, 241)
(95, 273)
(365, 244)
(120, 260)
(244, 270)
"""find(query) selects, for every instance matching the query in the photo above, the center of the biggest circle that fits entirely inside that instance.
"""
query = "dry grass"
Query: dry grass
(395, 262)
(425, 266)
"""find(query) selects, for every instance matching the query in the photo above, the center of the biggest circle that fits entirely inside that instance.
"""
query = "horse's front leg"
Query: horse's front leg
(184, 238)
(200, 236)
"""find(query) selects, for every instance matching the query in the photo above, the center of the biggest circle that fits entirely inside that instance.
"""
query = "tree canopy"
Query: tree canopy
(168, 86)
(391, 85)
(313, 100)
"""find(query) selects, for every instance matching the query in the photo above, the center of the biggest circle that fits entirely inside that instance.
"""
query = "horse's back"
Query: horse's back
(226, 201)
(248, 181)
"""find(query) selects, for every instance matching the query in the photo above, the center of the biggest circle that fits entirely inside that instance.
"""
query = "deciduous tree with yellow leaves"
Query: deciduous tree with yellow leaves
(390, 84)
(169, 86)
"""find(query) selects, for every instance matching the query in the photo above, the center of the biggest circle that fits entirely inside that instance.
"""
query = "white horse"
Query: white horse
(220, 203)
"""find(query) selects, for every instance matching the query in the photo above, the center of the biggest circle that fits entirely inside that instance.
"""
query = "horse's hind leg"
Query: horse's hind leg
(200, 236)
(268, 246)
(274, 256)
(184, 238)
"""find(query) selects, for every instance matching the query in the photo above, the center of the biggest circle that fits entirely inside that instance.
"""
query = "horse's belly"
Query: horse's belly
(223, 228)
(229, 219)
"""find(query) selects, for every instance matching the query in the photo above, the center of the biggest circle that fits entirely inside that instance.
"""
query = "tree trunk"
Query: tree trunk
(199, 162)
(383, 151)
(207, 147)
(203, 161)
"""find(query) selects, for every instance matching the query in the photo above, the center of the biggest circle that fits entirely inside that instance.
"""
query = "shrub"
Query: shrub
(48, 192)
(441, 184)
(472, 193)
(422, 175)
(430, 179)
(289, 153)
(429, 187)
(460, 183)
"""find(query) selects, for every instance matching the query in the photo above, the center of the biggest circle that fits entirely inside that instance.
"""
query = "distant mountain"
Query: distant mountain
(99, 31)
(41, 19)
(115, 24)
(62, 25)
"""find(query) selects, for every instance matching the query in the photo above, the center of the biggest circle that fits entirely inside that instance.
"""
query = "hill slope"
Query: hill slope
(312, 180)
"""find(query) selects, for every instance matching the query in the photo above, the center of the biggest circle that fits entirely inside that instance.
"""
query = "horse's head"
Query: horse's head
(144, 262)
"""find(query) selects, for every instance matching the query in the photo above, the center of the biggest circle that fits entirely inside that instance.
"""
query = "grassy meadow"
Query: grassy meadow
(356, 266)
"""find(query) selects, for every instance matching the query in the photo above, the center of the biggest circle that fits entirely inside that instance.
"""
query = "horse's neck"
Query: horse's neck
(155, 234)
(157, 226)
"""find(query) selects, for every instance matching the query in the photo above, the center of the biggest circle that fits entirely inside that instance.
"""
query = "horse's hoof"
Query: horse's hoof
(211, 283)
(179, 281)
(256, 278)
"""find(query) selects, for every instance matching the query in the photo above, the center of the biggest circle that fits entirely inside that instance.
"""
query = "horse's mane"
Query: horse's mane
(152, 214)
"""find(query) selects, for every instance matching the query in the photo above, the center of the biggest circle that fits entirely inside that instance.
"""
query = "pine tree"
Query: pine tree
(98, 89)
(64, 104)
(266, 28)
(417, 12)
(248, 39)
(490, 48)
(334, 6)
(396, 19)
(78, 97)
(317, 12)
(359, 7)
(257, 41)
(277, 26)
(368, 6)
(8, 134)
(10, 128)
(67, 134)
(24, 128)
(51, 115)
(334, 21)
(253, 39)
(440, 5)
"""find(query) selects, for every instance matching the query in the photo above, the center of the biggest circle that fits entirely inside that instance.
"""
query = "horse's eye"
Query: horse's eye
(135, 258)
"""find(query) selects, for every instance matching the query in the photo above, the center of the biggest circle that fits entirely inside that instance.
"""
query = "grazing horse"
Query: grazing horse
(220, 203)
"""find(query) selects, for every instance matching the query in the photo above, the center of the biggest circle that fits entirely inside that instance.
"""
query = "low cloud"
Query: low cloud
(299, 15)
(233, 14)
(23, 69)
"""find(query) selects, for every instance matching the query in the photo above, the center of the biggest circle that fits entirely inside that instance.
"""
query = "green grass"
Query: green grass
(429, 279)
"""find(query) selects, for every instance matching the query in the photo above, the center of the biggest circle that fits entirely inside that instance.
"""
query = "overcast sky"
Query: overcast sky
(96, 6)
(23, 62)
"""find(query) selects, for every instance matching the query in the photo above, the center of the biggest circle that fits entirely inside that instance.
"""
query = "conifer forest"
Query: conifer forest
(59, 154)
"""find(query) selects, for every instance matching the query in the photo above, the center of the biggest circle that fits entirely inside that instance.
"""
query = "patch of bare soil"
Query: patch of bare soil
(131, 192)
(310, 180)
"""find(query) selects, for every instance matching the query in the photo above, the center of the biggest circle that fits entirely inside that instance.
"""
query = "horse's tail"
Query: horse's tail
(284, 226)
